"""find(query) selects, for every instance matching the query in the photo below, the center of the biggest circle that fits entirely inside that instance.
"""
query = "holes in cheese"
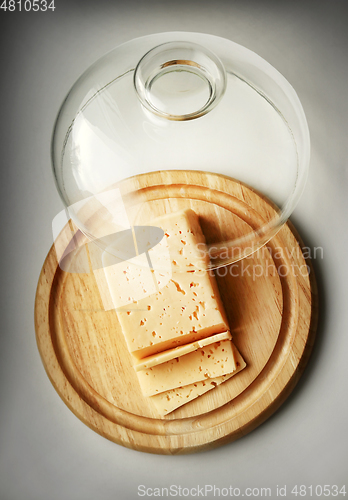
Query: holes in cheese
(188, 307)
(211, 361)
(168, 401)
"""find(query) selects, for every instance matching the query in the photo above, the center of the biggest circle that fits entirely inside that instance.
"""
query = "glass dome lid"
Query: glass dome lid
(180, 120)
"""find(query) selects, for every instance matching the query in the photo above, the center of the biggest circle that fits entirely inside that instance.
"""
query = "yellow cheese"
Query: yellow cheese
(157, 359)
(169, 401)
(185, 240)
(122, 283)
(211, 361)
(188, 307)
(126, 282)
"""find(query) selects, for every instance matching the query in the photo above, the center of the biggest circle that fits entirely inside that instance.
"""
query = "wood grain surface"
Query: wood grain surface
(269, 297)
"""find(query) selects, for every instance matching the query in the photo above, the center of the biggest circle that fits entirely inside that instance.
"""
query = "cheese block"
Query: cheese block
(188, 307)
(169, 401)
(211, 361)
(157, 359)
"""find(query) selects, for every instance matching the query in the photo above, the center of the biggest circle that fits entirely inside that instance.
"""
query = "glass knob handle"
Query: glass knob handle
(180, 80)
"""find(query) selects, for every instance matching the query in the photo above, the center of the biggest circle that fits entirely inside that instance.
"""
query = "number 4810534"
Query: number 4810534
(27, 5)
(318, 490)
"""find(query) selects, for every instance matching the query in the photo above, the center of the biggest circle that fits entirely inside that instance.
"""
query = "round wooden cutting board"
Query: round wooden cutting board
(269, 298)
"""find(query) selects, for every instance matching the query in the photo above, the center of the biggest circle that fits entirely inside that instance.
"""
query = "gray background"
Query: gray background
(45, 451)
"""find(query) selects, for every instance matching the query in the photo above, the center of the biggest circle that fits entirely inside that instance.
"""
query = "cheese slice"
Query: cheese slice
(176, 352)
(169, 401)
(211, 361)
(188, 307)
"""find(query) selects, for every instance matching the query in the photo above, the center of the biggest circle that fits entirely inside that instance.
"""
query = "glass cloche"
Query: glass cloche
(177, 120)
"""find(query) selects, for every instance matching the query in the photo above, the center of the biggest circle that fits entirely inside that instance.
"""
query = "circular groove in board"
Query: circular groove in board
(85, 364)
